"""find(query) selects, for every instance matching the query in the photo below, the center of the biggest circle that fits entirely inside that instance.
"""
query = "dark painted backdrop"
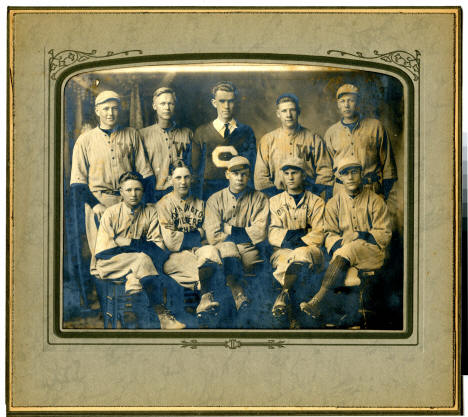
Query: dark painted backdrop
(382, 97)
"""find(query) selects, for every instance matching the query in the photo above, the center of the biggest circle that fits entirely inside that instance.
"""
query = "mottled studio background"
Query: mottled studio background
(382, 97)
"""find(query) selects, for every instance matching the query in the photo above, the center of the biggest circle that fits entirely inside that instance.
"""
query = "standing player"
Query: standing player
(215, 143)
(191, 263)
(129, 245)
(292, 140)
(363, 138)
(295, 232)
(357, 230)
(164, 141)
(236, 221)
(100, 157)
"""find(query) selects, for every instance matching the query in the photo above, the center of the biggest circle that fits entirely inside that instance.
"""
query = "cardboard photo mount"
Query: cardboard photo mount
(52, 370)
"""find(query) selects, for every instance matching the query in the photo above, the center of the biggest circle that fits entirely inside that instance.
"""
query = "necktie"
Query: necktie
(226, 130)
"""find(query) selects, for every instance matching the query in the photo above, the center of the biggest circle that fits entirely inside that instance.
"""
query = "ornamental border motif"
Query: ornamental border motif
(64, 59)
(410, 62)
(231, 344)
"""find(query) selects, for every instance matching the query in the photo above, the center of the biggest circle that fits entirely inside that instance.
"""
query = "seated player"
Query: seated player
(191, 264)
(357, 233)
(295, 232)
(236, 221)
(129, 245)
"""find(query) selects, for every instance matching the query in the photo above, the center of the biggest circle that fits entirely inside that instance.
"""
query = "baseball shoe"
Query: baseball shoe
(240, 298)
(279, 307)
(169, 322)
(207, 305)
(311, 308)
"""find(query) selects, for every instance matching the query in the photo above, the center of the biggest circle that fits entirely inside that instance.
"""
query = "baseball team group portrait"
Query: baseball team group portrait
(235, 196)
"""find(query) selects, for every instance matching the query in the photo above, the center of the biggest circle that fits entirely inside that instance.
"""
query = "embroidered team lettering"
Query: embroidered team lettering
(222, 155)
(180, 148)
(305, 152)
(187, 218)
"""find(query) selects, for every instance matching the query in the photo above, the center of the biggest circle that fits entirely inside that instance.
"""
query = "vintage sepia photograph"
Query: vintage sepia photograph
(233, 211)
(233, 195)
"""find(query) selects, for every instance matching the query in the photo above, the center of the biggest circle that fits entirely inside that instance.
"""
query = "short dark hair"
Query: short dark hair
(224, 86)
(130, 175)
(178, 163)
(164, 90)
(288, 98)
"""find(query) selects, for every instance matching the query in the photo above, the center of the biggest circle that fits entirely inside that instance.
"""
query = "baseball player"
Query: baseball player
(191, 263)
(363, 138)
(292, 140)
(165, 142)
(295, 232)
(357, 233)
(236, 221)
(129, 245)
(215, 143)
(100, 157)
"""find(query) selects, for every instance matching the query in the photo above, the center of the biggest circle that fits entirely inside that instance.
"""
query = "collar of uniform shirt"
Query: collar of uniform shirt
(297, 197)
(237, 196)
(180, 200)
(110, 131)
(356, 196)
(219, 125)
(168, 129)
(293, 132)
(351, 126)
(134, 210)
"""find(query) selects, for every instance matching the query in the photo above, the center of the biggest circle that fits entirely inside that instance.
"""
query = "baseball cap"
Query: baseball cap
(237, 163)
(347, 89)
(293, 162)
(106, 96)
(348, 162)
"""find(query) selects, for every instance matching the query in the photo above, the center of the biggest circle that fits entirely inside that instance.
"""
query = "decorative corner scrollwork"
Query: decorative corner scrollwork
(63, 59)
(231, 344)
(410, 62)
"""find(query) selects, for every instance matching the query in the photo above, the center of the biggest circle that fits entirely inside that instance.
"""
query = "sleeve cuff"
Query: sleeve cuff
(239, 235)
(82, 193)
(368, 237)
(335, 247)
(191, 240)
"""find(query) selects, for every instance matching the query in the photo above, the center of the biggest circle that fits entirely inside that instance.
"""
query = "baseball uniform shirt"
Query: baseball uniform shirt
(286, 215)
(179, 218)
(280, 144)
(366, 212)
(369, 143)
(115, 261)
(248, 210)
(163, 147)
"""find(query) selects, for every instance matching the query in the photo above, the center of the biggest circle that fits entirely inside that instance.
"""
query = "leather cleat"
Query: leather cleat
(207, 305)
(240, 299)
(169, 322)
(279, 307)
(311, 308)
